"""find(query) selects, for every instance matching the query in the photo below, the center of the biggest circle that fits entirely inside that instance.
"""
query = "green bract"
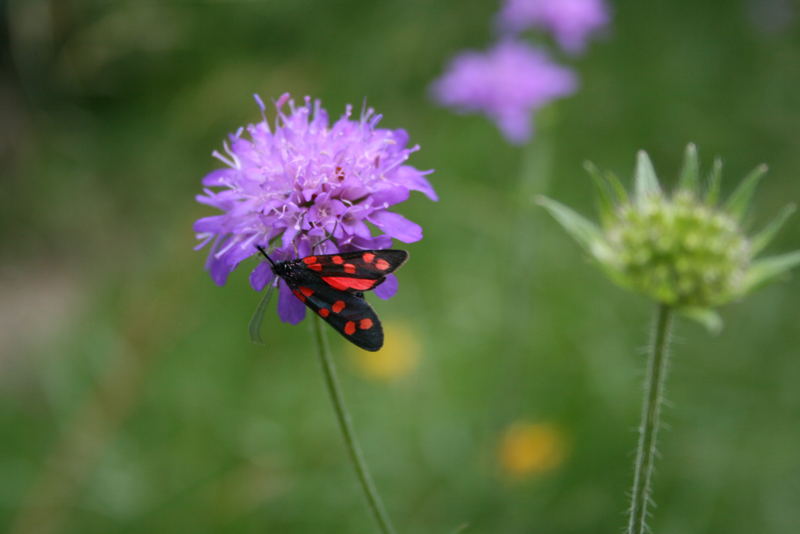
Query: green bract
(684, 249)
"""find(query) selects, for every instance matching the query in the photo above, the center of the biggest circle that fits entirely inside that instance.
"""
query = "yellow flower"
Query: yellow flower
(398, 357)
(528, 449)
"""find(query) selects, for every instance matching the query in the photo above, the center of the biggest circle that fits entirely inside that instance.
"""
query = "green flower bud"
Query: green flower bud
(683, 250)
(677, 251)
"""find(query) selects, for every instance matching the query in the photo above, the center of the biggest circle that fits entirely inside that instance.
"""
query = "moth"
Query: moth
(333, 285)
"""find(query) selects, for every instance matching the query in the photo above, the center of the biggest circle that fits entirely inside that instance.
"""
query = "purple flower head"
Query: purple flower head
(293, 185)
(571, 22)
(507, 83)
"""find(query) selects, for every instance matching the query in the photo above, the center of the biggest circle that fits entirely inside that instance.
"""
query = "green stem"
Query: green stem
(346, 427)
(648, 429)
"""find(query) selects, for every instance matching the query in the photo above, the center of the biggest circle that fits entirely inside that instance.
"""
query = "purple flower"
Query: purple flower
(571, 22)
(507, 83)
(293, 185)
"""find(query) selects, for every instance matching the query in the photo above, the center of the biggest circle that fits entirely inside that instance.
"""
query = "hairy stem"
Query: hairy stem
(346, 427)
(648, 428)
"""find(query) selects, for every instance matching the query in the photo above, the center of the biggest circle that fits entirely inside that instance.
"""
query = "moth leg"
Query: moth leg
(329, 235)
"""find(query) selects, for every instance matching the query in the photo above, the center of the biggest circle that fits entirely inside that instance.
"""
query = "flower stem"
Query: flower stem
(651, 411)
(346, 427)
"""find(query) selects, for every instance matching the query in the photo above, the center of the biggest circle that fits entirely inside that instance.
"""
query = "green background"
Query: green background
(131, 399)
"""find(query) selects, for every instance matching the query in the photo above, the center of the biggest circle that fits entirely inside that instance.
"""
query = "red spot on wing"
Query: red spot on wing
(365, 324)
(309, 260)
(349, 268)
(382, 264)
(343, 283)
(337, 260)
(338, 306)
(306, 291)
(315, 266)
(324, 312)
(349, 328)
(299, 295)
(368, 257)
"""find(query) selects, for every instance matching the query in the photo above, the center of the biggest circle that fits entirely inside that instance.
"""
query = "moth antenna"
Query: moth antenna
(264, 253)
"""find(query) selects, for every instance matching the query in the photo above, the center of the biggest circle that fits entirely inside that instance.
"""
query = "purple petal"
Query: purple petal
(218, 177)
(328, 247)
(415, 181)
(515, 127)
(390, 196)
(283, 253)
(352, 189)
(290, 309)
(396, 226)
(301, 250)
(289, 234)
(401, 137)
(388, 288)
(219, 269)
(261, 276)
(357, 228)
(211, 224)
(373, 243)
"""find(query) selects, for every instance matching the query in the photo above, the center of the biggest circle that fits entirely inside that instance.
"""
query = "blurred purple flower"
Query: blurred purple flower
(571, 22)
(507, 83)
(304, 179)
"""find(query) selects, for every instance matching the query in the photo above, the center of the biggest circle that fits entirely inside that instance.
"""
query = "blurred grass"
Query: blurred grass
(131, 399)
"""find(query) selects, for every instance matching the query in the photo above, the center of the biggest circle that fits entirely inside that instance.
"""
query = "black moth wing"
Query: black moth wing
(348, 313)
(358, 271)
